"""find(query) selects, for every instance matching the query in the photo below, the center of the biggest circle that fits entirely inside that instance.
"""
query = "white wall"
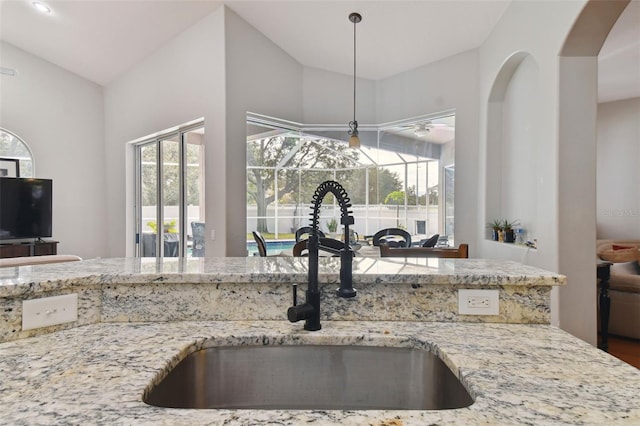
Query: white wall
(261, 78)
(181, 82)
(577, 195)
(60, 116)
(519, 31)
(444, 85)
(563, 213)
(618, 170)
(519, 162)
(328, 98)
(577, 115)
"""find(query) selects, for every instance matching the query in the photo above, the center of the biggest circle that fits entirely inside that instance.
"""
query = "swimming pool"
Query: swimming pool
(273, 247)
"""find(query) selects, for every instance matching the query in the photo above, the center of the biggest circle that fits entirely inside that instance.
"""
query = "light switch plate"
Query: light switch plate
(478, 302)
(46, 311)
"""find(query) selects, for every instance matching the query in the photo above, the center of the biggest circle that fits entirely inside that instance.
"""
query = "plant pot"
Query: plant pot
(509, 236)
(495, 234)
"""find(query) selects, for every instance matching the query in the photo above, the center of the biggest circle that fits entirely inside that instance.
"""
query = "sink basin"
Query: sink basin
(310, 377)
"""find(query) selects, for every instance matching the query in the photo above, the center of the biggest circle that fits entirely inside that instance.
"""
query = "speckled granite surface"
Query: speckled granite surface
(262, 301)
(125, 290)
(30, 279)
(518, 374)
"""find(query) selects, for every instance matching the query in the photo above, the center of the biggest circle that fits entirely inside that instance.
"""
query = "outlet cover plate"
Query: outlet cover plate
(46, 311)
(478, 302)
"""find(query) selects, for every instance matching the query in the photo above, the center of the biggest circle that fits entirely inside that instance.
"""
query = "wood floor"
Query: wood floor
(628, 350)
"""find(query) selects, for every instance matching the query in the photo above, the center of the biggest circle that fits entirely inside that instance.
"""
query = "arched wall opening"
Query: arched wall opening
(577, 113)
(511, 140)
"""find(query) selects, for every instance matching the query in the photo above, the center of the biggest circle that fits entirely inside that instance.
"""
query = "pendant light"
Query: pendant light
(354, 140)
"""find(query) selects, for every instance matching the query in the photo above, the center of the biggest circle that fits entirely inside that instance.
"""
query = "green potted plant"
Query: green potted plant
(496, 228)
(509, 233)
(332, 225)
(169, 226)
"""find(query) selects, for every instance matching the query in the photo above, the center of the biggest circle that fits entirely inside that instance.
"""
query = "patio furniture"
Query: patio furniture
(262, 244)
(170, 243)
(197, 230)
(431, 241)
(326, 244)
(306, 230)
(443, 241)
(461, 252)
(394, 237)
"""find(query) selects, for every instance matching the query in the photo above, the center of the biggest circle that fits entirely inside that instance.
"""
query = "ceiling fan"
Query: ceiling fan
(423, 128)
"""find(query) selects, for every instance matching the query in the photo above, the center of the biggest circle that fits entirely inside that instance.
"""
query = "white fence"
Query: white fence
(170, 213)
(367, 220)
(290, 217)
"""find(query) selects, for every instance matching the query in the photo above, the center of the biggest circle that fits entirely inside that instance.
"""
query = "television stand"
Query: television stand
(27, 249)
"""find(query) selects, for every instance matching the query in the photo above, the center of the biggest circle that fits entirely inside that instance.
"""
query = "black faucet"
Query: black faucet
(310, 310)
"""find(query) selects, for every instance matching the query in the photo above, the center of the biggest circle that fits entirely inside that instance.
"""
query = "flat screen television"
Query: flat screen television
(25, 208)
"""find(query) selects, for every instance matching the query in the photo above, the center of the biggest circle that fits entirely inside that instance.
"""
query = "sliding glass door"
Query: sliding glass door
(170, 194)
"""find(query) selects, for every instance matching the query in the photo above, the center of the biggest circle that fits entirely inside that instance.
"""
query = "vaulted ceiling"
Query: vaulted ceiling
(101, 39)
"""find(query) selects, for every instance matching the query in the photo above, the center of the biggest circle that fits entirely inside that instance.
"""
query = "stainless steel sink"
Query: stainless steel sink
(311, 378)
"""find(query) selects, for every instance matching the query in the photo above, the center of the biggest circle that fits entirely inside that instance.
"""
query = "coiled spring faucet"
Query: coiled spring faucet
(310, 310)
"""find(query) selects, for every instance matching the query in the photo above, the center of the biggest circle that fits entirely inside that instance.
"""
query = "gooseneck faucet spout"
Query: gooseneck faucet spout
(310, 310)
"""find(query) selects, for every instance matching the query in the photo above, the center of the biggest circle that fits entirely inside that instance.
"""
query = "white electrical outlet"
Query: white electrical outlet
(213, 235)
(48, 311)
(478, 302)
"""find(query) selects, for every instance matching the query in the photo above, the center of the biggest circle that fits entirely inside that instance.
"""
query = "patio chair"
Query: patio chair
(394, 237)
(170, 244)
(328, 245)
(431, 241)
(306, 230)
(262, 244)
(197, 229)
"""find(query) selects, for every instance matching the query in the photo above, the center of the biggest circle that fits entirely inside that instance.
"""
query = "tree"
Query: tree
(381, 183)
(287, 156)
(433, 195)
(171, 175)
(397, 198)
(413, 199)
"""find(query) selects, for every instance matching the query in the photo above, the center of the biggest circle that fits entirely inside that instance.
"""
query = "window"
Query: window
(14, 148)
(393, 180)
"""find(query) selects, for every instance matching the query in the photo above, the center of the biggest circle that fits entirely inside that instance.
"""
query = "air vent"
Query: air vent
(8, 71)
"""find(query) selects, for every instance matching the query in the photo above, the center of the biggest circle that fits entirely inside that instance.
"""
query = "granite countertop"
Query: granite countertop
(518, 374)
(16, 281)
(259, 288)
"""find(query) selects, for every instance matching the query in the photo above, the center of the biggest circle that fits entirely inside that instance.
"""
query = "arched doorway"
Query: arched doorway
(577, 111)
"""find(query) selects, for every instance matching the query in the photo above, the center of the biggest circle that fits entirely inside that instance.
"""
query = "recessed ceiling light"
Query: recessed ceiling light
(41, 7)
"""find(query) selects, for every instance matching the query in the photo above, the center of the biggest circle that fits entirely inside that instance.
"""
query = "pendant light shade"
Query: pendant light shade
(354, 139)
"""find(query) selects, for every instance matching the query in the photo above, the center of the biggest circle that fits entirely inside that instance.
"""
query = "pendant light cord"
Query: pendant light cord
(354, 69)
(354, 141)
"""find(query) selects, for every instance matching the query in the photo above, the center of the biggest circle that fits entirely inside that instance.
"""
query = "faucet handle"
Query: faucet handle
(299, 312)
(294, 287)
